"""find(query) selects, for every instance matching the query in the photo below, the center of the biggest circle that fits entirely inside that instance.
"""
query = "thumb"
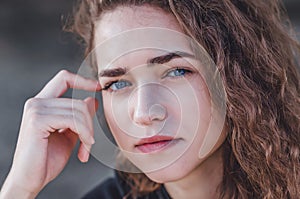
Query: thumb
(93, 105)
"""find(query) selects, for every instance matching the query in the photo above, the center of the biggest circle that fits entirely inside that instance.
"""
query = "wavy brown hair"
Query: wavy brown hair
(253, 46)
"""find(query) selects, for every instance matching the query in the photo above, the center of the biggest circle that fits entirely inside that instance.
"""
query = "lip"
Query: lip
(154, 144)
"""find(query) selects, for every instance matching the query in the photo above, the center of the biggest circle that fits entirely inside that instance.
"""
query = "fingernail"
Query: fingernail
(87, 156)
(61, 130)
(84, 157)
(92, 140)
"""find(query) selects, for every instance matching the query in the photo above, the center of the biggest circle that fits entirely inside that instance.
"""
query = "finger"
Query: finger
(83, 152)
(64, 80)
(55, 111)
(74, 123)
(81, 115)
(61, 102)
(92, 105)
(65, 106)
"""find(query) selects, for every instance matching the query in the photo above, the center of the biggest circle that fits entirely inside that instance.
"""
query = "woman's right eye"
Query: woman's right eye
(117, 85)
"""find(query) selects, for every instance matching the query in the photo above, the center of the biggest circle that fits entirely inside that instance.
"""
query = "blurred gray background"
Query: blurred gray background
(33, 48)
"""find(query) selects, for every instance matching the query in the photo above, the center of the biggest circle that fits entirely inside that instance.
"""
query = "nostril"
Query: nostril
(157, 112)
(142, 119)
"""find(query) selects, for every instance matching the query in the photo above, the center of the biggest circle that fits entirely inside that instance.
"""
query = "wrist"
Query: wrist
(11, 190)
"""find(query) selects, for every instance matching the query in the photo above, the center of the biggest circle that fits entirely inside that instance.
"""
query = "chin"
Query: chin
(171, 173)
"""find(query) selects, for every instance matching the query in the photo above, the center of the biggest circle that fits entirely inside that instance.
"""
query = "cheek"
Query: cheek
(196, 117)
(110, 111)
(194, 110)
(215, 132)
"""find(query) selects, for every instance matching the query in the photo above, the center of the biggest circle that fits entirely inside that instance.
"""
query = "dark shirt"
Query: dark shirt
(116, 188)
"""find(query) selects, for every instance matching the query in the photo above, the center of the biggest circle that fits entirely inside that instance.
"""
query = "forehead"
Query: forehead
(156, 29)
(125, 18)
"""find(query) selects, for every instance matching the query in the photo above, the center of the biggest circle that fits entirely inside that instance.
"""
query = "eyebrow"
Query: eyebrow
(115, 72)
(168, 57)
(112, 72)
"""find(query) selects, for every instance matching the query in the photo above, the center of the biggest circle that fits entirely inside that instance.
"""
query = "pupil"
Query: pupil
(120, 84)
(180, 72)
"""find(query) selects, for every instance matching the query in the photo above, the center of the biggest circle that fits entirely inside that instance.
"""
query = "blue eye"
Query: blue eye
(178, 72)
(117, 85)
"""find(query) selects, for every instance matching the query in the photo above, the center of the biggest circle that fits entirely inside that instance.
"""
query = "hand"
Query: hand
(49, 131)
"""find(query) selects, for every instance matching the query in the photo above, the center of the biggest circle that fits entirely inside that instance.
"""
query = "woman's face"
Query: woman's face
(156, 103)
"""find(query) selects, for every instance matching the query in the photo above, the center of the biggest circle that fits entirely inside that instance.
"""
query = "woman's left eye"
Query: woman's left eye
(178, 72)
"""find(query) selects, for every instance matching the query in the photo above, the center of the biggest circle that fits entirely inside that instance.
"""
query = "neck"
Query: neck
(202, 182)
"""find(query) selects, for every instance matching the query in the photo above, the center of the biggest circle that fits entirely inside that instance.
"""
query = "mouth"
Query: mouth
(155, 143)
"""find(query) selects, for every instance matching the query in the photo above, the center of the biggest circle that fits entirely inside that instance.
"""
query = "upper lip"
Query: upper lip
(153, 139)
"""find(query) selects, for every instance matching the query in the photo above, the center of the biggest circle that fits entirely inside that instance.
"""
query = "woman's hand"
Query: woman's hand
(49, 131)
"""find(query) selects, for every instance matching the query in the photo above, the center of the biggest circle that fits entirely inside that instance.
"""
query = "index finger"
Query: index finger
(64, 80)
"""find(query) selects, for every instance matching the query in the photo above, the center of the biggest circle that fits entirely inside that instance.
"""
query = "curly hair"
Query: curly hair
(255, 50)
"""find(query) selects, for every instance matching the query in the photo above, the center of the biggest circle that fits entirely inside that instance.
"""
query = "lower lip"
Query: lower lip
(156, 146)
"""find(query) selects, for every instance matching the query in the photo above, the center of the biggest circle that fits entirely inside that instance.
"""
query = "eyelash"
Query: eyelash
(187, 72)
(108, 85)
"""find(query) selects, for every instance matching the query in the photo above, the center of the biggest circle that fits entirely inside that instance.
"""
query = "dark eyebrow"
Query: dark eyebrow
(168, 57)
(115, 72)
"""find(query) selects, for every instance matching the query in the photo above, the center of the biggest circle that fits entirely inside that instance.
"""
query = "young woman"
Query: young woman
(152, 111)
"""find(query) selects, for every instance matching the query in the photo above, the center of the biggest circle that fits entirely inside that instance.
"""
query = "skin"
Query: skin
(48, 135)
(168, 166)
(49, 132)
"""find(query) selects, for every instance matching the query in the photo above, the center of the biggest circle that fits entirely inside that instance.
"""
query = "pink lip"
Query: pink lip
(155, 143)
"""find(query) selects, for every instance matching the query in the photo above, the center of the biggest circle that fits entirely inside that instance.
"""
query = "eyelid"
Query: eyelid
(177, 68)
(108, 84)
(106, 81)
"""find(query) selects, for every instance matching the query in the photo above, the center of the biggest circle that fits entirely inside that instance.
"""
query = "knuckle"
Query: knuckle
(33, 113)
(69, 120)
(31, 103)
(78, 115)
(63, 72)
(35, 120)
(81, 127)
(63, 75)
(83, 107)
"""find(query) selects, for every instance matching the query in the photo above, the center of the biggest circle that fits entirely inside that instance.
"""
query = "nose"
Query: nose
(146, 107)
